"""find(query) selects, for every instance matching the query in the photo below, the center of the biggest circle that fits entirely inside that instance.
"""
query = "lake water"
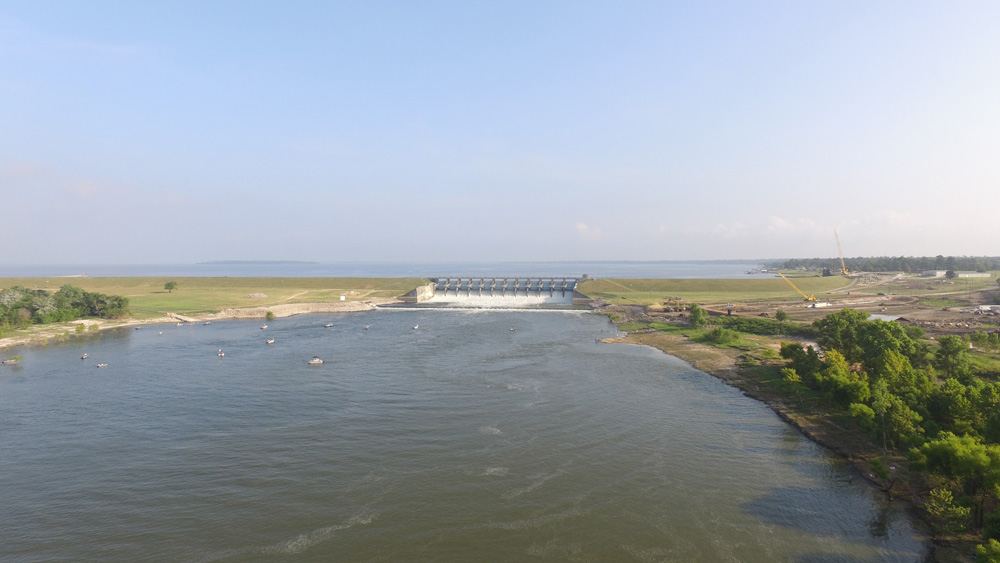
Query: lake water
(460, 440)
(607, 269)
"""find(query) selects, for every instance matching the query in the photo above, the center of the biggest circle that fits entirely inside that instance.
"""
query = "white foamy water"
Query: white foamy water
(451, 299)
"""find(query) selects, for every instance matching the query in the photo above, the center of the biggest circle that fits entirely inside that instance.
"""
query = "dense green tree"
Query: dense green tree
(698, 316)
(952, 357)
(877, 339)
(21, 306)
(965, 462)
(841, 331)
(805, 361)
(988, 552)
(843, 385)
(947, 515)
(170, 286)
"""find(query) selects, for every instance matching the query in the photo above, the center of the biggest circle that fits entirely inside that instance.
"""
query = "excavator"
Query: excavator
(809, 297)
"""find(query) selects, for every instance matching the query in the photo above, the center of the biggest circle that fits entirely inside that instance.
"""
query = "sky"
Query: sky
(180, 132)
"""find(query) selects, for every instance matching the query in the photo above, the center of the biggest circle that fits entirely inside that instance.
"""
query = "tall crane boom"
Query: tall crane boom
(843, 267)
(804, 296)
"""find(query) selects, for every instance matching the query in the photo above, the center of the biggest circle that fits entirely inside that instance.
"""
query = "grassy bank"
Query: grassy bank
(650, 291)
(199, 295)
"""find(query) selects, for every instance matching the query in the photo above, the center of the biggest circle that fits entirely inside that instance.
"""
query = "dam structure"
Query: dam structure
(516, 292)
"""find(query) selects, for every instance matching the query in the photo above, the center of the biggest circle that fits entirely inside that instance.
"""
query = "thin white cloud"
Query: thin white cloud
(587, 232)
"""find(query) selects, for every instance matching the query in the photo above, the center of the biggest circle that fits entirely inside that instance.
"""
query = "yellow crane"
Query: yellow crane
(843, 267)
(809, 297)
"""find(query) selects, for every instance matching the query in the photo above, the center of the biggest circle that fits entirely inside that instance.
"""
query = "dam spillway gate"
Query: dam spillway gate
(506, 286)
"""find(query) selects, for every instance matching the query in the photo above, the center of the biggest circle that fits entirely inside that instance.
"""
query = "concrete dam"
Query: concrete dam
(500, 292)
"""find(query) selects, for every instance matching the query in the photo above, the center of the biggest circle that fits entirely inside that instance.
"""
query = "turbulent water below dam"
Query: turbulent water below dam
(427, 435)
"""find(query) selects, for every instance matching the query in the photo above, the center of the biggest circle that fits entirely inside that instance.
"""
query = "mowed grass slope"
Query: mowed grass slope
(650, 291)
(147, 297)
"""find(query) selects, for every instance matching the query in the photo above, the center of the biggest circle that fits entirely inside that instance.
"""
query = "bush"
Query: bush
(269, 316)
(767, 327)
(720, 335)
(698, 316)
(864, 415)
(790, 376)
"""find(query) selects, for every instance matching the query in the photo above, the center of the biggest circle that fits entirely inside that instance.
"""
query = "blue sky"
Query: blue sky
(178, 132)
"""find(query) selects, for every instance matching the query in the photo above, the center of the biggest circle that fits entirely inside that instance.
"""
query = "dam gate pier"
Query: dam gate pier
(500, 291)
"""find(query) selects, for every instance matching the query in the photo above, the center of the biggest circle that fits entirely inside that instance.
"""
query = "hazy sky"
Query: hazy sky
(178, 132)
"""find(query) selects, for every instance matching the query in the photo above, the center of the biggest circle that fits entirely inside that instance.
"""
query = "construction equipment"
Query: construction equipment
(674, 304)
(809, 297)
(843, 267)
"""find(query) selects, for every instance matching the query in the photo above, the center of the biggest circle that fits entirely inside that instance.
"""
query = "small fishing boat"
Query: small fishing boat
(263, 327)
(415, 327)
(206, 323)
(84, 356)
(315, 361)
(366, 327)
(270, 341)
(328, 325)
(222, 354)
(102, 365)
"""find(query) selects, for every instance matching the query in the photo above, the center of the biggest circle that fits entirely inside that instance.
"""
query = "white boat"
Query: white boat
(84, 356)
(328, 325)
(366, 327)
(415, 327)
(102, 365)
(222, 354)
(263, 327)
(269, 341)
(315, 361)
(207, 323)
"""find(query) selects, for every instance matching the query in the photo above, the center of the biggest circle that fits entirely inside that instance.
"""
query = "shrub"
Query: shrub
(698, 316)
(767, 327)
(720, 335)
(269, 316)
(790, 376)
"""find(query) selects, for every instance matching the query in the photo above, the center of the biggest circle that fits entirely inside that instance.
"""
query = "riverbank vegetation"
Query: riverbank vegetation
(919, 416)
(21, 307)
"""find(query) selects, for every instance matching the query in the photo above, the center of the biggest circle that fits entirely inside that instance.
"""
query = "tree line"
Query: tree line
(934, 405)
(21, 307)
(905, 264)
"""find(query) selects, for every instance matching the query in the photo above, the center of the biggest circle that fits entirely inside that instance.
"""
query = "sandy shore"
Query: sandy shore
(41, 334)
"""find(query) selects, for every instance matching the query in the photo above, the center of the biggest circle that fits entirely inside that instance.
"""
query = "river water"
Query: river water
(459, 440)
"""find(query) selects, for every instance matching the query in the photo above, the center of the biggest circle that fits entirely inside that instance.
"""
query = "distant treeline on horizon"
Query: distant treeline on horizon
(906, 264)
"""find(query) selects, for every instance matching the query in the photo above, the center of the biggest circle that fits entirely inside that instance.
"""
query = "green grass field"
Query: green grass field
(147, 297)
(650, 291)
